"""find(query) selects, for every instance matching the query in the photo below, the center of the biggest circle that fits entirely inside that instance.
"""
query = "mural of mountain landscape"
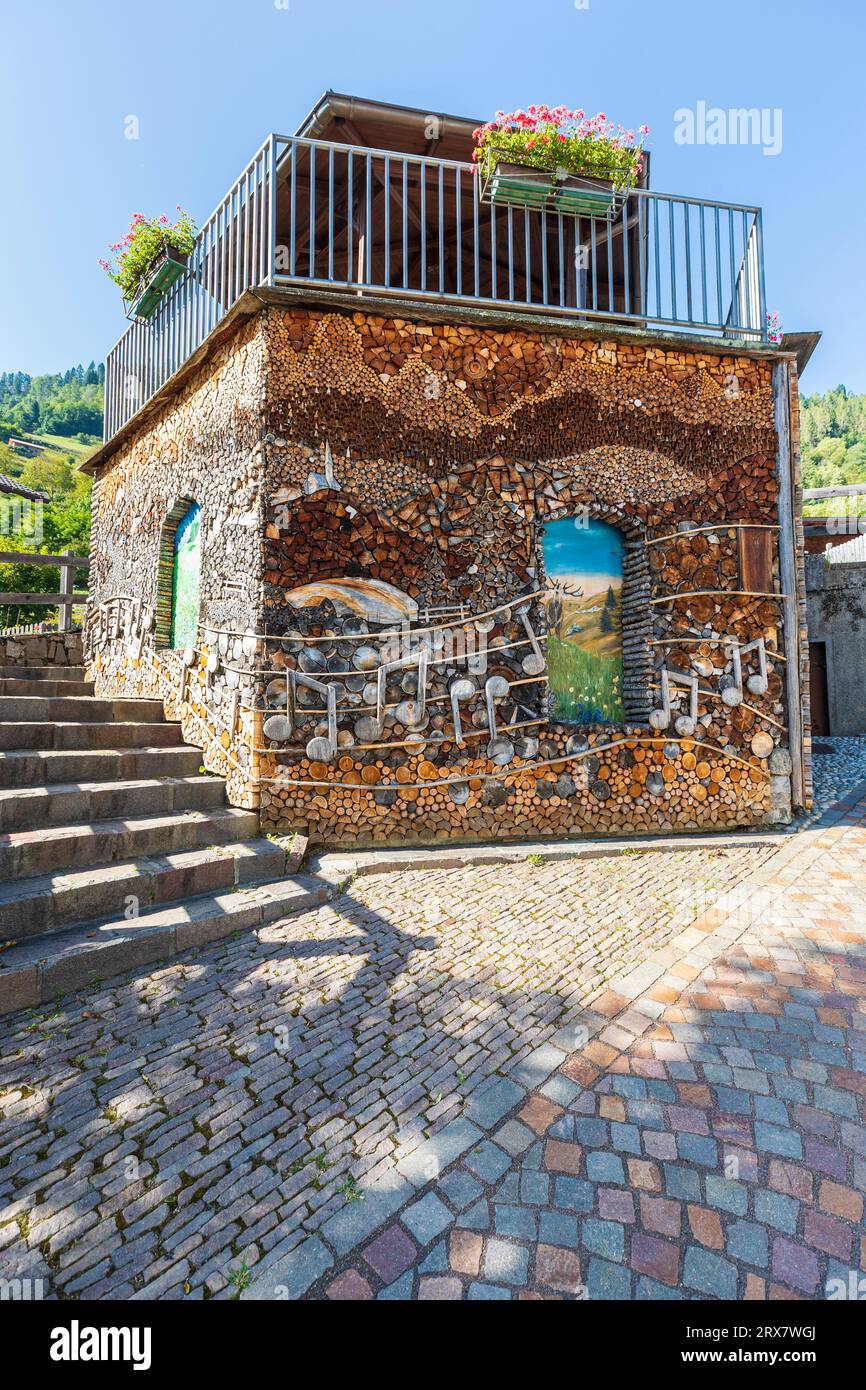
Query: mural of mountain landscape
(583, 563)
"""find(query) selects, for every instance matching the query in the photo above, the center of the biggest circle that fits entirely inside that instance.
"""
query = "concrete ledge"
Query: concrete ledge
(337, 867)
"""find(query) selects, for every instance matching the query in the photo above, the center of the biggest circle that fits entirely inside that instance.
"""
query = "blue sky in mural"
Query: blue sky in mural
(574, 549)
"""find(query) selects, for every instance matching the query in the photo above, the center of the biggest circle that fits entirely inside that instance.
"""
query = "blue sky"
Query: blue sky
(207, 79)
(590, 553)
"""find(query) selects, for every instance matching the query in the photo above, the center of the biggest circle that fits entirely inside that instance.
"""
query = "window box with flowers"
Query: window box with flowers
(559, 160)
(148, 260)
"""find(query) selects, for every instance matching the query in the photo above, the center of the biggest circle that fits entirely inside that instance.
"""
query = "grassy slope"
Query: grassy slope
(13, 463)
(586, 668)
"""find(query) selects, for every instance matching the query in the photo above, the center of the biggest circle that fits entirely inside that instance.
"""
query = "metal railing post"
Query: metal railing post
(762, 293)
(272, 209)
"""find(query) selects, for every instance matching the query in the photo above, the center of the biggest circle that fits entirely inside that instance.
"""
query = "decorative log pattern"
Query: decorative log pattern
(327, 447)
(454, 447)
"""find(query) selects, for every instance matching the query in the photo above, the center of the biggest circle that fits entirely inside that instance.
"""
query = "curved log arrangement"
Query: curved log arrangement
(383, 627)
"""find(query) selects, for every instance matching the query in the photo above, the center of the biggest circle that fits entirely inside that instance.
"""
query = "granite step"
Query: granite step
(28, 808)
(25, 768)
(50, 849)
(43, 968)
(42, 673)
(23, 709)
(19, 685)
(72, 733)
(33, 906)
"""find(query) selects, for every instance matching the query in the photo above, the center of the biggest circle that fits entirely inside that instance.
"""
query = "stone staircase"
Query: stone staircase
(115, 850)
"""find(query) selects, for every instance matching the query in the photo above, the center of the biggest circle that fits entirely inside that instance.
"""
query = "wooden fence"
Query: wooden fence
(66, 595)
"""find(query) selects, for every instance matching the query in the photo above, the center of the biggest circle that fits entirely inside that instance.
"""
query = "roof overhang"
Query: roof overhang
(383, 125)
(9, 487)
(380, 125)
(802, 345)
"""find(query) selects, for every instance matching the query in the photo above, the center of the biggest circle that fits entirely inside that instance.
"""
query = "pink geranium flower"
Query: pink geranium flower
(144, 243)
(584, 143)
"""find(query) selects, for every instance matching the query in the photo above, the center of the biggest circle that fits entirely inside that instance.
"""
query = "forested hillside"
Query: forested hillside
(62, 411)
(833, 447)
(67, 404)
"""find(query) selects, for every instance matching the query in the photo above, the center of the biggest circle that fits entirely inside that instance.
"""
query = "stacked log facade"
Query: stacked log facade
(330, 448)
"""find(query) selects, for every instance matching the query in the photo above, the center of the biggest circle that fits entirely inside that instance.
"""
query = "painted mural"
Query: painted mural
(186, 579)
(583, 565)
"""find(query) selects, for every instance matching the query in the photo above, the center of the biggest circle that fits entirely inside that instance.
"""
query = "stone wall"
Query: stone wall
(204, 447)
(450, 448)
(837, 616)
(41, 649)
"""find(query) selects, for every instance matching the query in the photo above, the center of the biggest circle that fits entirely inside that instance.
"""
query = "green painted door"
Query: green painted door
(185, 579)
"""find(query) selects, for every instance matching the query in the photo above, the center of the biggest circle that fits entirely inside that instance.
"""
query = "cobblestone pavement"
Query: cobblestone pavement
(266, 1109)
(166, 1132)
(833, 772)
(703, 1138)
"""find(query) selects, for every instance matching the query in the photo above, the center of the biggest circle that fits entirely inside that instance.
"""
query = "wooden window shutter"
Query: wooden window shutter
(755, 547)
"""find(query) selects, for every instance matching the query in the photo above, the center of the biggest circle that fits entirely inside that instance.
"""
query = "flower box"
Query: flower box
(586, 195)
(159, 277)
(552, 190)
(148, 260)
(507, 182)
(557, 160)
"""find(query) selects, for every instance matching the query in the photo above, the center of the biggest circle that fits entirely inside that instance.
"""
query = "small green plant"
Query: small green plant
(535, 859)
(138, 251)
(321, 1164)
(240, 1277)
(349, 1190)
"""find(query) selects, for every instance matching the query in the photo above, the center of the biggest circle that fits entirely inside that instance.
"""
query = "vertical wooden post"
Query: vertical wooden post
(788, 576)
(67, 587)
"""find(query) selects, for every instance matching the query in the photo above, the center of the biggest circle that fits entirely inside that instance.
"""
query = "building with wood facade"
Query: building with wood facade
(433, 518)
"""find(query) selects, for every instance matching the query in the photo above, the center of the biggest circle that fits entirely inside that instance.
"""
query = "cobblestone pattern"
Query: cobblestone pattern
(833, 773)
(162, 1135)
(707, 1142)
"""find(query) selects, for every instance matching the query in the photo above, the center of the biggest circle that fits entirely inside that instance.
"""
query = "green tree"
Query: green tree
(833, 444)
(61, 523)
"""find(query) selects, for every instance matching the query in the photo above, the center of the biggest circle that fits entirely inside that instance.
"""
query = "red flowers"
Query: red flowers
(583, 143)
(144, 243)
(559, 121)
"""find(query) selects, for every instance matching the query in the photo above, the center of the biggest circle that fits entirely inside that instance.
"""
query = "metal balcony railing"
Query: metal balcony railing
(345, 219)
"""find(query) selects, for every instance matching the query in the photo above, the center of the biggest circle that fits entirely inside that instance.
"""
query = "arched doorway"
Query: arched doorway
(185, 578)
(178, 575)
(583, 561)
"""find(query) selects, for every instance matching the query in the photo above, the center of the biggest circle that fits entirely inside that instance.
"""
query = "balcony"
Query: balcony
(348, 221)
